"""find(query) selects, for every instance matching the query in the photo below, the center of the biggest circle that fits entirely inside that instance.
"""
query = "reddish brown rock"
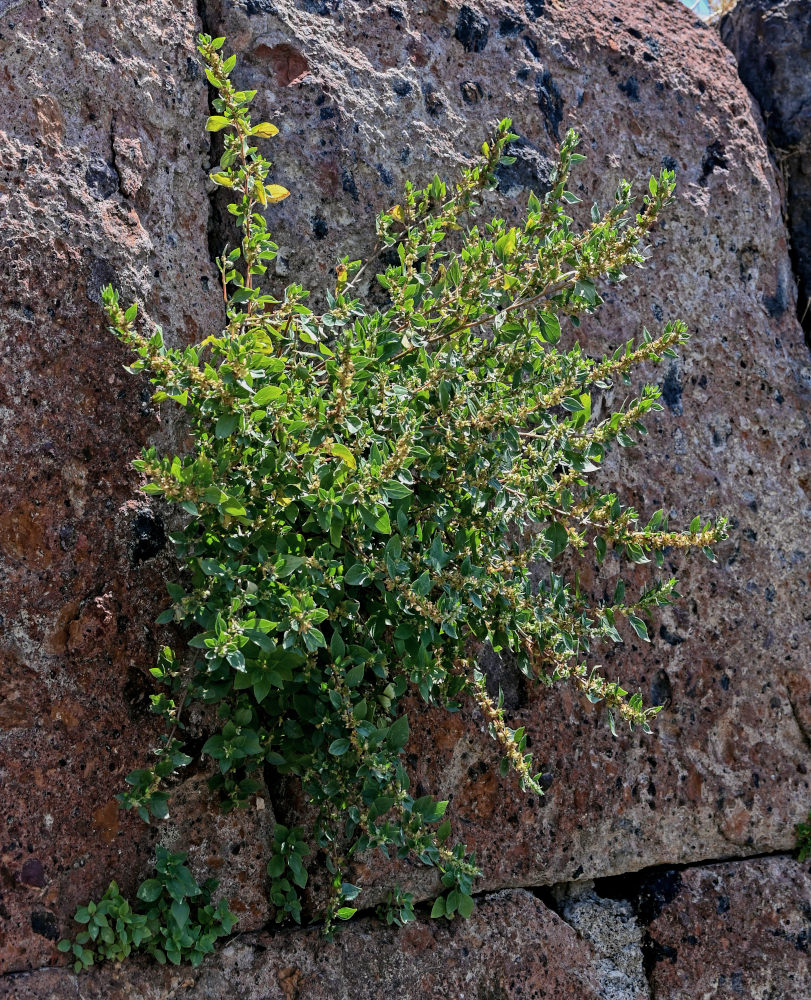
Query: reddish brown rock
(387, 97)
(101, 166)
(99, 181)
(735, 930)
(512, 947)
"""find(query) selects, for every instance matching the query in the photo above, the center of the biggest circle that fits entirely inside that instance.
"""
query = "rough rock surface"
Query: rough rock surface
(611, 927)
(512, 947)
(363, 102)
(98, 182)
(772, 43)
(735, 930)
(102, 162)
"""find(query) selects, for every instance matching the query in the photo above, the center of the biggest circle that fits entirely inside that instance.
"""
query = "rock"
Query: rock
(511, 947)
(726, 772)
(772, 43)
(610, 926)
(740, 929)
(230, 847)
(100, 180)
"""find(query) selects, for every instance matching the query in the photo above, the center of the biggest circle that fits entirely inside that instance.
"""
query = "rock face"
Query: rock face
(103, 165)
(735, 930)
(512, 947)
(772, 43)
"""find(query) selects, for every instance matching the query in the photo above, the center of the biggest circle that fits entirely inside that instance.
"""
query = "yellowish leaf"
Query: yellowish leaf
(264, 130)
(260, 192)
(222, 179)
(215, 123)
(275, 192)
(342, 452)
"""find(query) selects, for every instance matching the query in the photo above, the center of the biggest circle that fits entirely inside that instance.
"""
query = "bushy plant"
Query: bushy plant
(369, 489)
(172, 920)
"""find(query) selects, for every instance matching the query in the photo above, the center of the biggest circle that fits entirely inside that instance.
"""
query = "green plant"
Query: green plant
(369, 488)
(173, 919)
(803, 832)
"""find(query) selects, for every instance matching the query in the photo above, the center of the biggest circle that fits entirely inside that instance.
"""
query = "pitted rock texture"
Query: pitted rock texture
(611, 927)
(365, 100)
(512, 947)
(99, 182)
(735, 930)
(772, 43)
(103, 164)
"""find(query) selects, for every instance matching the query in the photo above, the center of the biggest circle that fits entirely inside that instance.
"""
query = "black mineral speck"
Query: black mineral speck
(472, 29)
(402, 88)
(45, 923)
(672, 389)
(320, 227)
(326, 113)
(254, 7)
(101, 178)
(149, 536)
(714, 159)
(384, 175)
(534, 8)
(630, 88)
(722, 905)
(550, 102)
(532, 48)
(348, 184)
(661, 690)
(669, 163)
(671, 638)
(472, 91)
(509, 26)
(532, 169)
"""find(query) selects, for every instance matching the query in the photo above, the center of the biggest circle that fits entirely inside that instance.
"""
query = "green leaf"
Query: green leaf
(438, 909)
(288, 564)
(356, 575)
(215, 123)
(342, 452)
(264, 130)
(639, 627)
(266, 394)
(557, 536)
(149, 890)
(226, 425)
(345, 913)
(339, 747)
(398, 733)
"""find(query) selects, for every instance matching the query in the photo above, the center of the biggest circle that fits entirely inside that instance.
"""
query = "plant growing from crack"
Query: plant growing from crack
(369, 489)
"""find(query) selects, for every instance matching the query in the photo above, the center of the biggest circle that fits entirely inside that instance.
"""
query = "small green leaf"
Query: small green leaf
(226, 425)
(215, 123)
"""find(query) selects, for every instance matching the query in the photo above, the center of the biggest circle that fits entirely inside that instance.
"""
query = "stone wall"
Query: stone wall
(599, 888)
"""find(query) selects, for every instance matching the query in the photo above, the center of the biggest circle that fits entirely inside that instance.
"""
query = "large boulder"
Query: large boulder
(772, 43)
(367, 98)
(104, 161)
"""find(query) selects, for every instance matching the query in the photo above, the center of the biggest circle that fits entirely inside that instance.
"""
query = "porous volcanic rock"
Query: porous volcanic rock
(103, 165)
(772, 43)
(99, 182)
(735, 930)
(367, 97)
(512, 947)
